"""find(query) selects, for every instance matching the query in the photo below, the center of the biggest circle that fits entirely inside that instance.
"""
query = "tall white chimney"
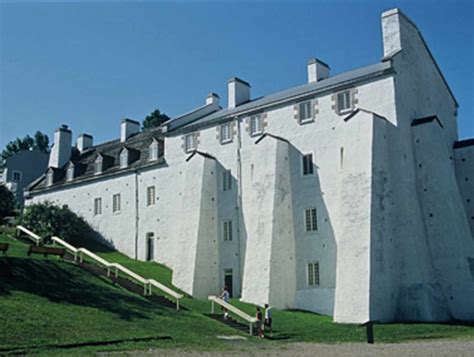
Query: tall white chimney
(84, 142)
(317, 70)
(61, 149)
(128, 127)
(238, 92)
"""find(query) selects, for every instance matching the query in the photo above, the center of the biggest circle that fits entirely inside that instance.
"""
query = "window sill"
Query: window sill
(306, 121)
(260, 133)
(226, 142)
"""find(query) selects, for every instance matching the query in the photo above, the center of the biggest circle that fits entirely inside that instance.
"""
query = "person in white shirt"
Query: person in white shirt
(225, 296)
(268, 318)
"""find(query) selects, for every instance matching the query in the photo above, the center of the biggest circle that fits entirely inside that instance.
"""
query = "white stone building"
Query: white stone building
(349, 195)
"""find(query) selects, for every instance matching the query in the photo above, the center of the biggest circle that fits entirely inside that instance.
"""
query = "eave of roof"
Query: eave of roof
(345, 79)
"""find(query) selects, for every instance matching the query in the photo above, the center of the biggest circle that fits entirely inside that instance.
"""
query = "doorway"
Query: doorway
(150, 246)
(228, 280)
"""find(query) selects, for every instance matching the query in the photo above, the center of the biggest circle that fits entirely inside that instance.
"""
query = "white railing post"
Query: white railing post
(212, 307)
(250, 329)
(177, 304)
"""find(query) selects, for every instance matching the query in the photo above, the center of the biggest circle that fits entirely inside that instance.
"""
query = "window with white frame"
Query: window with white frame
(307, 164)
(311, 219)
(344, 102)
(16, 176)
(190, 142)
(150, 195)
(305, 112)
(153, 151)
(256, 127)
(226, 133)
(227, 230)
(70, 173)
(97, 206)
(50, 178)
(116, 203)
(313, 274)
(124, 159)
(98, 165)
(226, 180)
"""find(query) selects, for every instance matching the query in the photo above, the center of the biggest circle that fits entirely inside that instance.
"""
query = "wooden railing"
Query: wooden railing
(80, 252)
(34, 237)
(135, 276)
(250, 319)
(166, 290)
(71, 249)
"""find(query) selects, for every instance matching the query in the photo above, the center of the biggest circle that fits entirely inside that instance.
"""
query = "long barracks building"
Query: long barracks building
(349, 195)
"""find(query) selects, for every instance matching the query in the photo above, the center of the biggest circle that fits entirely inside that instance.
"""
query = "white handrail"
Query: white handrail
(66, 245)
(36, 238)
(166, 290)
(95, 257)
(145, 282)
(250, 319)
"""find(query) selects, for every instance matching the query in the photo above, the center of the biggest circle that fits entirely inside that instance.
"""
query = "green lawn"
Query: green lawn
(49, 302)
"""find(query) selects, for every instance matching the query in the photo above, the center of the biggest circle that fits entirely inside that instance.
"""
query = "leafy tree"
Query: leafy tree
(154, 119)
(48, 219)
(40, 142)
(7, 202)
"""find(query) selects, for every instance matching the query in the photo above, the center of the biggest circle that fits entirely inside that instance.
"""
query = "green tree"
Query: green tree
(154, 119)
(7, 202)
(47, 219)
(40, 142)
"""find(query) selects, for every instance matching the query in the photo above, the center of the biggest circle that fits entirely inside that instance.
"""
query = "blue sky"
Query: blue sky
(90, 64)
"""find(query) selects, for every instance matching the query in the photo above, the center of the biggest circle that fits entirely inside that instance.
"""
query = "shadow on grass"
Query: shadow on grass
(68, 284)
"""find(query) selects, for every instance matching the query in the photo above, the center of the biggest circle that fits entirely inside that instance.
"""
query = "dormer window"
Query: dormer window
(49, 178)
(98, 165)
(70, 173)
(190, 142)
(124, 158)
(153, 150)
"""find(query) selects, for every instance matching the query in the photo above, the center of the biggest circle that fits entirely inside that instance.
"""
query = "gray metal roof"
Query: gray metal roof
(330, 83)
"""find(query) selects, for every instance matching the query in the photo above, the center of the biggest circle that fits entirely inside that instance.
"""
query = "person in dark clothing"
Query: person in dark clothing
(259, 317)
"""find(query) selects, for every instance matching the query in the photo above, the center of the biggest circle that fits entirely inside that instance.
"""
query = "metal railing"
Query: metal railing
(250, 319)
(34, 237)
(166, 290)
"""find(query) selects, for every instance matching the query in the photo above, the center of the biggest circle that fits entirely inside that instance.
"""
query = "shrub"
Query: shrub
(7, 202)
(47, 219)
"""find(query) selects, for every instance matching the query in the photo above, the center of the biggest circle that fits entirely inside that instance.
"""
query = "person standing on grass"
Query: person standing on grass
(268, 318)
(259, 317)
(225, 296)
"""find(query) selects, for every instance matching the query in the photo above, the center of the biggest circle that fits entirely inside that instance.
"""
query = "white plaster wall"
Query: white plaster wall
(116, 229)
(464, 161)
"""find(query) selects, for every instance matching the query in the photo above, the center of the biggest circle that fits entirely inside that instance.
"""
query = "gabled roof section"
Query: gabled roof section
(362, 110)
(432, 118)
(203, 154)
(463, 143)
(271, 136)
(138, 146)
(305, 90)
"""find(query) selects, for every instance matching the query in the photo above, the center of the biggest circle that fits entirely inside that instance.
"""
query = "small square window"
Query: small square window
(308, 166)
(313, 274)
(311, 220)
(190, 142)
(226, 133)
(116, 203)
(344, 102)
(150, 196)
(97, 206)
(227, 230)
(16, 176)
(226, 180)
(305, 112)
(256, 127)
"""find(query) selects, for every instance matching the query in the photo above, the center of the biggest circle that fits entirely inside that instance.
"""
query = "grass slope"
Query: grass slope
(48, 301)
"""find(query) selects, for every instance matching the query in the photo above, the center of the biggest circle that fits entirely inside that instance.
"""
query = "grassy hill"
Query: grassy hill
(46, 302)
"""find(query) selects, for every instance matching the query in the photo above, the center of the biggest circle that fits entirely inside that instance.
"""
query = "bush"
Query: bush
(7, 202)
(47, 219)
